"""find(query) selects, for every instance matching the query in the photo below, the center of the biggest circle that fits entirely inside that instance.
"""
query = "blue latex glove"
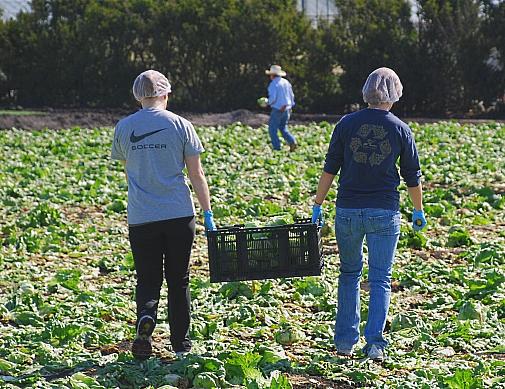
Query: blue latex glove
(317, 215)
(209, 221)
(418, 220)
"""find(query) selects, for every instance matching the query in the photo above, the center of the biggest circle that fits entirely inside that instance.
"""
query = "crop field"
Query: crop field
(67, 281)
(20, 113)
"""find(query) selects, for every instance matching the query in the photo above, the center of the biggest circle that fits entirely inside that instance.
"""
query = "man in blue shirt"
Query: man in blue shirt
(281, 99)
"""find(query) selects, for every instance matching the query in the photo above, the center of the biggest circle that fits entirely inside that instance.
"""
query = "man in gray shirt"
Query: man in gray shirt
(155, 145)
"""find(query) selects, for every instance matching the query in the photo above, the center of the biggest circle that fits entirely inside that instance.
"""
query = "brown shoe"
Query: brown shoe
(292, 147)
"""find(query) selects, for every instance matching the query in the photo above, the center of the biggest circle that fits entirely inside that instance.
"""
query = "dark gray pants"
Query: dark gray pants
(158, 248)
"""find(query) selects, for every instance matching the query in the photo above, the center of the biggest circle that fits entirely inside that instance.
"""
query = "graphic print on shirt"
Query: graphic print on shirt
(137, 138)
(370, 145)
(134, 138)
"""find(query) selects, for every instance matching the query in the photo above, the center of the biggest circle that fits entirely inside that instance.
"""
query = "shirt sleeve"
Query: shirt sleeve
(272, 94)
(117, 150)
(410, 168)
(335, 155)
(292, 95)
(193, 145)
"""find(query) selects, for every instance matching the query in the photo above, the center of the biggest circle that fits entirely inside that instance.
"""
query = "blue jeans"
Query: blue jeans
(279, 121)
(381, 227)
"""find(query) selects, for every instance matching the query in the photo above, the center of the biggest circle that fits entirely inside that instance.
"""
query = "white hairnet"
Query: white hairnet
(382, 86)
(151, 84)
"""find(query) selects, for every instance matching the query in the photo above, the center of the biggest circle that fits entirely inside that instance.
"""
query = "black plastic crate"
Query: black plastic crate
(241, 253)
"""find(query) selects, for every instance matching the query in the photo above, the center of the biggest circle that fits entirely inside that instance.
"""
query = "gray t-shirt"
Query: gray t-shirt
(154, 143)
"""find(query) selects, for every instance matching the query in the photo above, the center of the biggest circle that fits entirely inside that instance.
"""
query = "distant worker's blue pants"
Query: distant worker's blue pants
(279, 121)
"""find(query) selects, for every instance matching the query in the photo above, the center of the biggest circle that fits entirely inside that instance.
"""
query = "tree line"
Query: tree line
(449, 54)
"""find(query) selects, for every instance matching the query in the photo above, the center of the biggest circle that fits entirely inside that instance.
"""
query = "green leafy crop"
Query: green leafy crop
(67, 284)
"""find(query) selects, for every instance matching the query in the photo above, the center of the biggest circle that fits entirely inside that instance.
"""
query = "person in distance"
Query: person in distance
(154, 146)
(281, 99)
(365, 147)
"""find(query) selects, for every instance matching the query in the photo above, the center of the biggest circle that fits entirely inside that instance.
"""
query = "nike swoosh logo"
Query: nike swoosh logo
(135, 139)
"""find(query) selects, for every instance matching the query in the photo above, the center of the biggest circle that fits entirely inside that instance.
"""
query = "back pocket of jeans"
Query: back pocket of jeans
(386, 224)
(343, 226)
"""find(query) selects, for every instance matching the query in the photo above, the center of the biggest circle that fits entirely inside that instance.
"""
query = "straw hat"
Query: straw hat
(275, 70)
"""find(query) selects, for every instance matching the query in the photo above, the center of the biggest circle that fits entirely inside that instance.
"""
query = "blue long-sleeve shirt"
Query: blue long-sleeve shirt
(365, 147)
(280, 93)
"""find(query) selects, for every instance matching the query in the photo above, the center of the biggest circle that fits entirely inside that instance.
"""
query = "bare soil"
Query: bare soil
(87, 118)
(68, 118)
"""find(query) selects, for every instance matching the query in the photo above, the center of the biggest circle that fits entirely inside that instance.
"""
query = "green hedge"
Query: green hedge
(87, 52)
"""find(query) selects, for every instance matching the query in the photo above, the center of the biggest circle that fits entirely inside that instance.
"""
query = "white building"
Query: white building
(314, 9)
(317, 9)
(10, 8)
